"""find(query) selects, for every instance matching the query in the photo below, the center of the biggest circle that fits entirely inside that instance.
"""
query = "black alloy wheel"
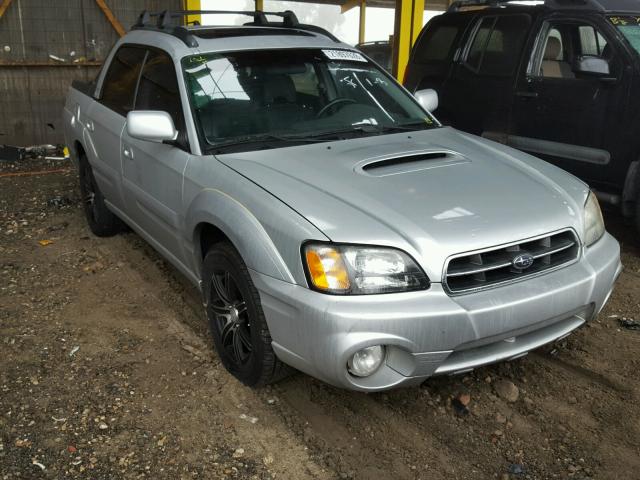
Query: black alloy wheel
(238, 324)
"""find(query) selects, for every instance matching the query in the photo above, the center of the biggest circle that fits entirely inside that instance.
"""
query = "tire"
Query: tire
(238, 325)
(637, 216)
(101, 220)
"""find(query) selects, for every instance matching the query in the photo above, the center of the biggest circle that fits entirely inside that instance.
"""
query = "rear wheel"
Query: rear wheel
(238, 325)
(101, 220)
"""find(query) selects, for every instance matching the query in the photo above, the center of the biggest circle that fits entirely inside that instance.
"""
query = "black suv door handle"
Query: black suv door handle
(527, 94)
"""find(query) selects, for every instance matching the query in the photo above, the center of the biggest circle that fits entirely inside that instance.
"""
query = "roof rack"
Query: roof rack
(164, 22)
(556, 4)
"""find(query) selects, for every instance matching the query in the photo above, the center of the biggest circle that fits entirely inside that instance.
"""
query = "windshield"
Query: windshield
(629, 26)
(294, 95)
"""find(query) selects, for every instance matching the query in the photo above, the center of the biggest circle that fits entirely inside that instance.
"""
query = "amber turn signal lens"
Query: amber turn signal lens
(326, 268)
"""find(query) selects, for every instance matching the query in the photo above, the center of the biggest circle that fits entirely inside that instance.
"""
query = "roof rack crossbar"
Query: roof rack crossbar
(163, 22)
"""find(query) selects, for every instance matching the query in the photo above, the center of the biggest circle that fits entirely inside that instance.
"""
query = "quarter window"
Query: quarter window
(158, 89)
(497, 44)
(436, 44)
(119, 87)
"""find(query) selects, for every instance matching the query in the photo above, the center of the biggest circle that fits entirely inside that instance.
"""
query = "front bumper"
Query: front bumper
(429, 332)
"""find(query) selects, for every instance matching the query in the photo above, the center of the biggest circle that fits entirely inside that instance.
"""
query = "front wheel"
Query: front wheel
(238, 325)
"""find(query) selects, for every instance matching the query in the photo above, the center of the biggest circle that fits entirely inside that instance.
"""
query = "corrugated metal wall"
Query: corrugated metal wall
(44, 46)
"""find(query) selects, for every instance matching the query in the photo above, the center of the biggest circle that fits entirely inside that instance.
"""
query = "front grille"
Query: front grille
(495, 266)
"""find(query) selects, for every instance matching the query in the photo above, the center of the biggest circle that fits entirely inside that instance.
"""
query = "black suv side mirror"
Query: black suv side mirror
(592, 66)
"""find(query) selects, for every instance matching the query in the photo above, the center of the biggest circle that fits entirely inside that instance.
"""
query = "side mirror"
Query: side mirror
(428, 98)
(594, 66)
(151, 125)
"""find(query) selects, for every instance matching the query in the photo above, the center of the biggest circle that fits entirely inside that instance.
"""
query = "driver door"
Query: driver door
(562, 115)
(152, 171)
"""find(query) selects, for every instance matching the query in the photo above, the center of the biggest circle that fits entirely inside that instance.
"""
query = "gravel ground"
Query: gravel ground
(106, 372)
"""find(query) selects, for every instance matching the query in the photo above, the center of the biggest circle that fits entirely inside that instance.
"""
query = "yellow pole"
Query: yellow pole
(418, 17)
(363, 19)
(192, 5)
(259, 5)
(408, 23)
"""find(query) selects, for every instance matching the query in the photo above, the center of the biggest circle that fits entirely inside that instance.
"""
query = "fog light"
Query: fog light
(366, 361)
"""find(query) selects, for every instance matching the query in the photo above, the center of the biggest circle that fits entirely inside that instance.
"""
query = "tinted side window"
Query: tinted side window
(497, 44)
(591, 41)
(158, 89)
(436, 44)
(119, 86)
(479, 44)
(563, 46)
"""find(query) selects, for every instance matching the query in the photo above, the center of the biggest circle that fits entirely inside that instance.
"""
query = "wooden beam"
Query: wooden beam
(3, 6)
(117, 26)
(348, 5)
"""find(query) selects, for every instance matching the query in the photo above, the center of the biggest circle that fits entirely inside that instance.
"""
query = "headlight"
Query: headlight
(361, 270)
(593, 221)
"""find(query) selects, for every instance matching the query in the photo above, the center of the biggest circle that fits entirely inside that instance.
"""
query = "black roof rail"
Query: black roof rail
(457, 5)
(558, 4)
(164, 22)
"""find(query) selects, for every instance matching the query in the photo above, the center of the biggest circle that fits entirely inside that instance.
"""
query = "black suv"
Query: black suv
(560, 80)
(379, 51)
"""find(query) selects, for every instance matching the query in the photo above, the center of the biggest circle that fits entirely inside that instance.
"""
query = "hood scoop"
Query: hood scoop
(408, 163)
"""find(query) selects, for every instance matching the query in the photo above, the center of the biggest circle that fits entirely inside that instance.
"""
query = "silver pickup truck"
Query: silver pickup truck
(331, 223)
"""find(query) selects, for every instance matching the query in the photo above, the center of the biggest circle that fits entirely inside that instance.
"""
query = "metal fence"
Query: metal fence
(44, 46)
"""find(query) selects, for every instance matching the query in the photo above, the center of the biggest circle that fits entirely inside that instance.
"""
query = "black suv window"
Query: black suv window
(119, 86)
(496, 44)
(436, 44)
(158, 88)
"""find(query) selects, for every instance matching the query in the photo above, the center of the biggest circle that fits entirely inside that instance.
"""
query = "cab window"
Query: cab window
(497, 44)
(119, 86)
(158, 88)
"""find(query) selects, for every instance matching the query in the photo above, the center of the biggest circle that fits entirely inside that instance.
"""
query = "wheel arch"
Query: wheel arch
(215, 216)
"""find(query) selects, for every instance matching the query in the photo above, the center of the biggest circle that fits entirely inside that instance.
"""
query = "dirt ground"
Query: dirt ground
(107, 372)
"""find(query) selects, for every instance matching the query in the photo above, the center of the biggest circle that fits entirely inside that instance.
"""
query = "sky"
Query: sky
(379, 21)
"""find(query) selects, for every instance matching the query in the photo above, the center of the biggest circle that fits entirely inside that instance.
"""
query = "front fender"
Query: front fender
(243, 229)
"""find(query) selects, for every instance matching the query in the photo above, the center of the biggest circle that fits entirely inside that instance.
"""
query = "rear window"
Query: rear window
(436, 44)
(496, 45)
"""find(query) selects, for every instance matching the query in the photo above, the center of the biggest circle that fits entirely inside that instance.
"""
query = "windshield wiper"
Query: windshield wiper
(371, 129)
(407, 127)
(338, 133)
(264, 139)
(268, 139)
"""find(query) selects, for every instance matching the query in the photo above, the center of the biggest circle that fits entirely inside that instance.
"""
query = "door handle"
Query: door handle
(126, 151)
(527, 94)
(90, 126)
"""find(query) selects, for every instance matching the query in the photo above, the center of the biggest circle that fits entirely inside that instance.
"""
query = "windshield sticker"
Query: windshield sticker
(625, 20)
(349, 81)
(347, 55)
(197, 59)
(629, 26)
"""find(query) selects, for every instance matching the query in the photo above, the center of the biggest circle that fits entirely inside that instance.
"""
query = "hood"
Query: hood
(432, 193)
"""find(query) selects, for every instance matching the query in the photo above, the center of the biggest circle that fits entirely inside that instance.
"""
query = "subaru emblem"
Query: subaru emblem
(522, 261)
